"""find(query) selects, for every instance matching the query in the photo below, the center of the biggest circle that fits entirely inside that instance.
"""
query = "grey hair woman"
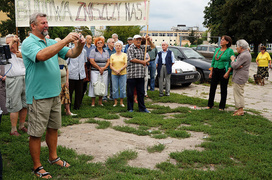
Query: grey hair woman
(240, 66)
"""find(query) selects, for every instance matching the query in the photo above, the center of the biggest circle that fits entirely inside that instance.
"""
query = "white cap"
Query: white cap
(137, 36)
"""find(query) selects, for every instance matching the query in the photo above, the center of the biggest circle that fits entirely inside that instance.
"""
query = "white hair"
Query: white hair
(164, 42)
(109, 40)
(10, 36)
(114, 35)
(57, 39)
(242, 43)
(119, 42)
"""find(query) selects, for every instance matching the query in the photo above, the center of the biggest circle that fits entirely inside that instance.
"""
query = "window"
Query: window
(177, 53)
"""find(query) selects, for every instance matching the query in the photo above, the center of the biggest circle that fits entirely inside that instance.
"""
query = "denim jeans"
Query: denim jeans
(152, 71)
(119, 84)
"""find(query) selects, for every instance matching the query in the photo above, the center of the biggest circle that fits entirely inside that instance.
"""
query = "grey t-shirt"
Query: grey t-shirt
(100, 59)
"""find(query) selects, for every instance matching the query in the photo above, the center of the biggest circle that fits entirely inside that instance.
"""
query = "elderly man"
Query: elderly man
(136, 72)
(115, 37)
(129, 42)
(240, 66)
(110, 48)
(15, 86)
(43, 87)
(88, 47)
(164, 61)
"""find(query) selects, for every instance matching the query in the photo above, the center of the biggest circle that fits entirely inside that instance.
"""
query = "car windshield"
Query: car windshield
(189, 53)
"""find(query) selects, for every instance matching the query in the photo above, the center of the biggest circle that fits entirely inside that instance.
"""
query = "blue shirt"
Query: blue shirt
(42, 78)
(110, 51)
(88, 50)
(164, 53)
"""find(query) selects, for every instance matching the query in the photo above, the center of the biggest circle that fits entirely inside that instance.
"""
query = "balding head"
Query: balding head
(164, 46)
(89, 39)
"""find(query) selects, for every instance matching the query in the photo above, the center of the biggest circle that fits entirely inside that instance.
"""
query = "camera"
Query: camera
(4, 54)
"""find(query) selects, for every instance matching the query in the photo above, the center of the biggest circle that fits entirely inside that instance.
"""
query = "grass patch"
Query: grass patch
(101, 124)
(235, 147)
(156, 148)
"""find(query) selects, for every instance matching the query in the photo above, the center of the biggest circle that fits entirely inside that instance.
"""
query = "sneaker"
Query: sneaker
(146, 111)
(130, 110)
(15, 133)
(114, 105)
(122, 105)
(72, 114)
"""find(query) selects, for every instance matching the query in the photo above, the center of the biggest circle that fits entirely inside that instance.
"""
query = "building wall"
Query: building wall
(171, 37)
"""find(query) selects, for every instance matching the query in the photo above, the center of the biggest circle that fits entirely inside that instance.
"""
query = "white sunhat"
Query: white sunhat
(137, 36)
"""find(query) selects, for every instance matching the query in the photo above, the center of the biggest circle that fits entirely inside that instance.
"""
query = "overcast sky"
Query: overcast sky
(165, 14)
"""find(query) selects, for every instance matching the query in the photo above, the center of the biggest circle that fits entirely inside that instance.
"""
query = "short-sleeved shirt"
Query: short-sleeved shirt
(118, 62)
(76, 66)
(42, 77)
(110, 51)
(224, 61)
(88, 49)
(63, 71)
(135, 70)
(100, 59)
(263, 59)
(17, 68)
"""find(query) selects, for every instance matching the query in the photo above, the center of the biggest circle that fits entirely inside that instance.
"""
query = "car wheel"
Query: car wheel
(186, 84)
(201, 74)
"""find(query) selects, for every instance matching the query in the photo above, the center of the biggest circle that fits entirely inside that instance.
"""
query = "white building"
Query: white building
(177, 36)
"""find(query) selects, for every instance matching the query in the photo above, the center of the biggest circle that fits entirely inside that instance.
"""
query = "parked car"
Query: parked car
(182, 73)
(206, 50)
(188, 55)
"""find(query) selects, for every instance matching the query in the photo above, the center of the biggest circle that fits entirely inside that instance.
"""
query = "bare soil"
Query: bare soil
(103, 143)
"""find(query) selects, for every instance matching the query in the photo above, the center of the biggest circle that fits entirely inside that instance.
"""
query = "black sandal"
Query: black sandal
(37, 171)
(56, 160)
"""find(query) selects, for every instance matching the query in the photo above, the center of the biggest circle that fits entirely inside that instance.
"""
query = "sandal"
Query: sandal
(238, 114)
(56, 160)
(37, 172)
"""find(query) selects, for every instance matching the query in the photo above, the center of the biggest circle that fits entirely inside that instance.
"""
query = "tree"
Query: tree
(8, 26)
(240, 19)
(192, 37)
(60, 32)
(123, 32)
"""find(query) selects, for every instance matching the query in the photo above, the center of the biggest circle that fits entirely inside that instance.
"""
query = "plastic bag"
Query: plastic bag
(99, 86)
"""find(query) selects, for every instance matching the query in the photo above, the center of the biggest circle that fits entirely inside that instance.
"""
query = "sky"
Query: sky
(164, 14)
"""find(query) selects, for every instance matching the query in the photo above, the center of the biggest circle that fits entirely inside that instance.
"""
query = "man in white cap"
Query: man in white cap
(136, 72)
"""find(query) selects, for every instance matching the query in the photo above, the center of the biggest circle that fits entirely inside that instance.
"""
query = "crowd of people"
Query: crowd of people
(47, 72)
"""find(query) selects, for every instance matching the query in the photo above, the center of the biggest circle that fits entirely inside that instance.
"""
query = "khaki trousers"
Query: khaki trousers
(238, 94)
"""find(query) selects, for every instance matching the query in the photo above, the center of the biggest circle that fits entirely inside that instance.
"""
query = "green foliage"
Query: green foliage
(232, 147)
(156, 148)
(8, 26)
(101, 124)
(123, 32)
(192, 37)
(240, 19)
(178, 133)
(60, 32)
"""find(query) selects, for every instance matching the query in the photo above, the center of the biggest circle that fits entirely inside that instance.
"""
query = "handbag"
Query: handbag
(99, 86)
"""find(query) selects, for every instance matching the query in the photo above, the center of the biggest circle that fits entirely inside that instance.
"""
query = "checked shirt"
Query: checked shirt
(135, 70)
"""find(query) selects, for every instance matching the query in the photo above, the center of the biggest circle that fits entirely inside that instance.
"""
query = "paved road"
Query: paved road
(256, 97)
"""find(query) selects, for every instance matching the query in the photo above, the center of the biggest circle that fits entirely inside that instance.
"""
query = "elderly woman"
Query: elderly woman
(99, 59)
(240, 66)
(262, 61)
(220, 70)
(118, 65)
